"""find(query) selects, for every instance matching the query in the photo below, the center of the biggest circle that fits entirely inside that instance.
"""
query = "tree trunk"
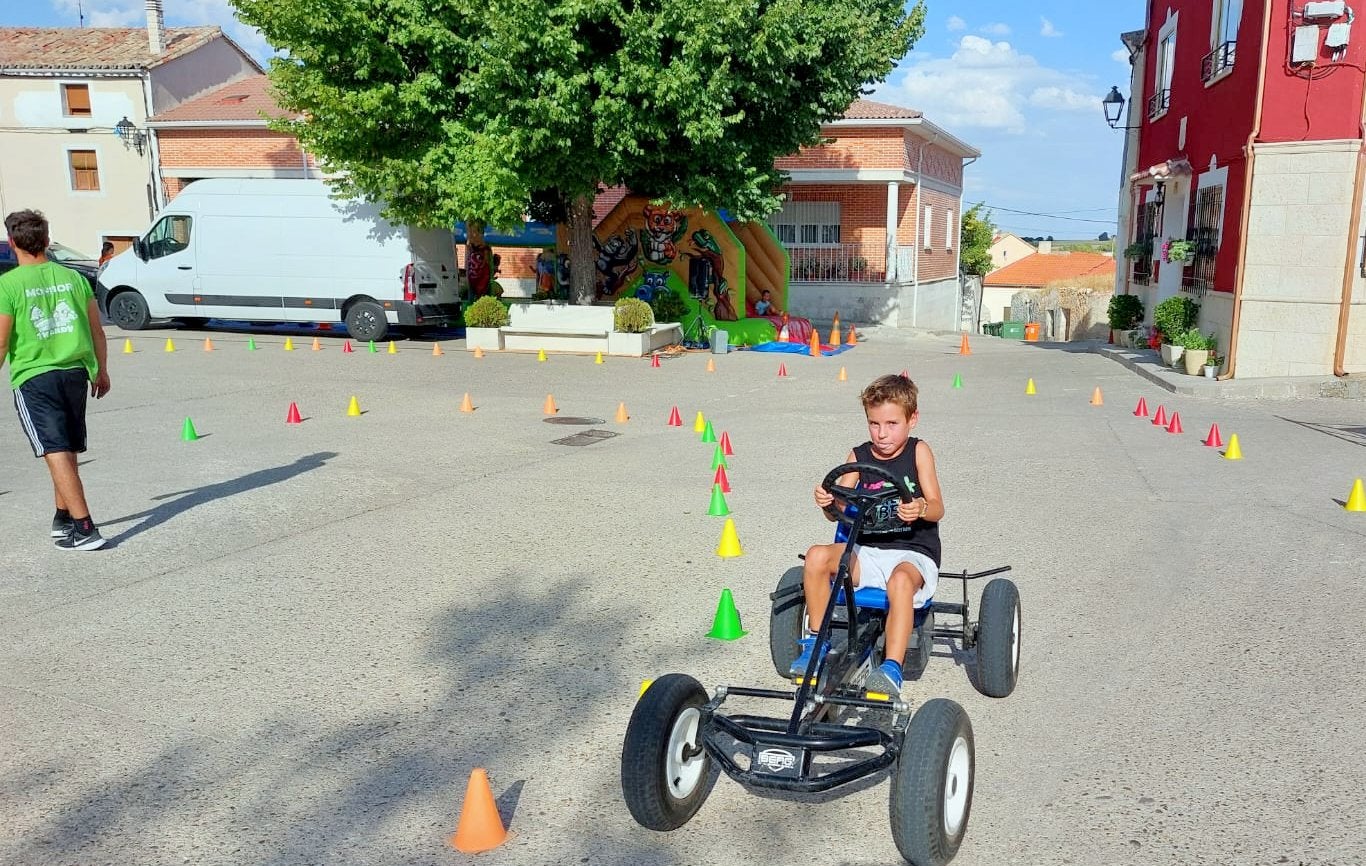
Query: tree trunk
(582, 276)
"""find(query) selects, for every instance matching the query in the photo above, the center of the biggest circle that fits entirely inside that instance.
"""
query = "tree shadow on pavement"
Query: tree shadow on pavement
(184, 500)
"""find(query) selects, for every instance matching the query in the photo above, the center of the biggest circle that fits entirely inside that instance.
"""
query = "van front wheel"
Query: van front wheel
(365, 321)
(128, 310)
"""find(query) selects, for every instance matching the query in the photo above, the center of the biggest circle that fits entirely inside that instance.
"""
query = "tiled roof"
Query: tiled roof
(245, 99)
(94, 47)
(1040, 269)
(866, 109)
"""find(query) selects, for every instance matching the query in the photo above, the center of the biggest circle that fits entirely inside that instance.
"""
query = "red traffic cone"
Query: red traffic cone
(725, 444)
(1142, 410)
(675, 420)
(721, 479)
(1175, 425)
(1213, 440)
(654, 360)
(782, 371)
(346, 347)
(1160, 419)
(293, 416)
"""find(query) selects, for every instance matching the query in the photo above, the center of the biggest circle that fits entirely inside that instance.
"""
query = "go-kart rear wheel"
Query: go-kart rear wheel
(786, 624)
(664, 768)
(932, 786)
(998, 640)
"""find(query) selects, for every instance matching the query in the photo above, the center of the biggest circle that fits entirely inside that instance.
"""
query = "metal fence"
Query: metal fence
(849, 263)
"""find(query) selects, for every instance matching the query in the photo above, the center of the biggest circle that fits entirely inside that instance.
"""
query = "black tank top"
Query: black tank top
(921, 536)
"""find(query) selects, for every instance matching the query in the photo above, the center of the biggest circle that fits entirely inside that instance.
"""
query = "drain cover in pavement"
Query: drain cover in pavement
(571, 420)
(587, 437)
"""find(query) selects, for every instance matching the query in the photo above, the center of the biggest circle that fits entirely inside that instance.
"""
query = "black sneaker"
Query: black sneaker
(77, 540)
(62, 526)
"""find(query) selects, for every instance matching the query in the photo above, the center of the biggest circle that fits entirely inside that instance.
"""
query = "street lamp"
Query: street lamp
(1113, 103)
(130, 135)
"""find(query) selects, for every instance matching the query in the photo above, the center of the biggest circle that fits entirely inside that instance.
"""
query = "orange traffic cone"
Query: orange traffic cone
(963, 347)
(466, 405)
(317, 346)
(622, 417)
(550, 408)
(711, 365)
(208, 344)
(843, 377)
(436, 349)
(852, 338)
(481, 827)
(478, 351)
(1096, 398)
(815, 344)
(835, 330)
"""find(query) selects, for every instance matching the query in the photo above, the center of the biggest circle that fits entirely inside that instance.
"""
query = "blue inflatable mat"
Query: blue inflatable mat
(796, 348)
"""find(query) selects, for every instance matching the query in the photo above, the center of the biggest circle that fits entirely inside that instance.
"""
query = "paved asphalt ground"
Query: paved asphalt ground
(304, 638)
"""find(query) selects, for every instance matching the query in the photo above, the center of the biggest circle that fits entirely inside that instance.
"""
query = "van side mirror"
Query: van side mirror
(140, 248)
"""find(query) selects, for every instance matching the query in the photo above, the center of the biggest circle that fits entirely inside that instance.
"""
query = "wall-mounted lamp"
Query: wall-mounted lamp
(130, 135)
(1113, 104)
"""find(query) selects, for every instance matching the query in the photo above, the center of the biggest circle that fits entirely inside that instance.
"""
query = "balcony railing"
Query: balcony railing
(1158, 103)
(1218, 60)
(853, 263)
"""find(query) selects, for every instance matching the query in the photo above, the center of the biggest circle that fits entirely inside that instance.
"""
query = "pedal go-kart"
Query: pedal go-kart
(676, 732)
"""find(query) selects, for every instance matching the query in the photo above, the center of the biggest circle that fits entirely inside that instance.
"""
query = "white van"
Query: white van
(281, 251)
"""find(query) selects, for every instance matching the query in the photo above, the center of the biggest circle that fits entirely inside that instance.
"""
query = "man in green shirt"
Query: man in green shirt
(50, 334)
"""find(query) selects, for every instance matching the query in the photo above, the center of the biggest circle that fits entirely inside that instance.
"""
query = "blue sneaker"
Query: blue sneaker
(884, 680)
(808, 643)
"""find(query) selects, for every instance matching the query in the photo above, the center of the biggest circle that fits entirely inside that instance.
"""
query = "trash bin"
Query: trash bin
(720, 341)
(992, 329)
(1012, 330)
(1031, 332)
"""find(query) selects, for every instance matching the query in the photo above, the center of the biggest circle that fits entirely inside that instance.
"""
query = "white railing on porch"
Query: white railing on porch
(849, 263)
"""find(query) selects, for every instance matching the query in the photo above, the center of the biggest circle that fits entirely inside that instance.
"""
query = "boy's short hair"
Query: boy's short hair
(764, 292)
(892, 388)
(28, 230)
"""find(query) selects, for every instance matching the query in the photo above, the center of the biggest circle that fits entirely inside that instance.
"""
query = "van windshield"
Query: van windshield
(63, 253)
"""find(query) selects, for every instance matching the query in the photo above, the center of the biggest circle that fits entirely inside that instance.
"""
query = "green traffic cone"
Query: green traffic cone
(718, 458)
(718, 507)
(958, 380)
(251, 344)
(726, 625)
(708, 434)
(373, 350)
(187, 433)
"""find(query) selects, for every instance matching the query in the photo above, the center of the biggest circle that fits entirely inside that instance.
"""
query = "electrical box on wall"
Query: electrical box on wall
(1305, 48)
(1337, 35)
(1325, 9)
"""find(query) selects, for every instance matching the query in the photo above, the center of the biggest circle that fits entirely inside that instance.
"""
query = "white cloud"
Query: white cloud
(955, 23)
(178, 13)
(996, 28)
(1046, 28)
(1120, 55)
(990, 85)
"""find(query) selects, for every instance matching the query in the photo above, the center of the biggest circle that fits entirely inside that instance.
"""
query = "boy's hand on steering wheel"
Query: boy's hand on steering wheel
(909, 512)
(823, 497)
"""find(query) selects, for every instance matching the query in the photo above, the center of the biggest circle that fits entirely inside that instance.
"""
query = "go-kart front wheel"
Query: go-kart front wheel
(664, 768)
(786, 623)
(998, 640)
(932, 785)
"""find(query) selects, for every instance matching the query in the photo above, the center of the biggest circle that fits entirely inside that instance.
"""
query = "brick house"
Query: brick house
(73, 109)
(1245, 137)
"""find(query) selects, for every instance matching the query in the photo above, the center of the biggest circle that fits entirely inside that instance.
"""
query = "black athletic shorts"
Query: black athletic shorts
(51, 409)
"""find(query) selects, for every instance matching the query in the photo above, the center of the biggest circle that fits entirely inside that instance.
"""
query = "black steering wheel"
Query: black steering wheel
(878, 506)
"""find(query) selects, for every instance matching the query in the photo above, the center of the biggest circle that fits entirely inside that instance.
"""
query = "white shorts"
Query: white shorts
(876, 564)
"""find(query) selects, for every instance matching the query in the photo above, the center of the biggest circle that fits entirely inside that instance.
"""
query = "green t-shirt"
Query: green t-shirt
(49, 304)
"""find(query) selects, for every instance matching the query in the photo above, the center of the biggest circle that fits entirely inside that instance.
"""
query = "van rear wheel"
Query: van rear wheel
(128, 310)
(365, 321)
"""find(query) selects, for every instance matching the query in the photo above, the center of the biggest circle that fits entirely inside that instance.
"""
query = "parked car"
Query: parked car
(62, 255)
(267, 250)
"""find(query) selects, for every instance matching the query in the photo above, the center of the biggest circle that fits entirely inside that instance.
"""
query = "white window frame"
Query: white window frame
(948, 231)
(796, 215)
(71, 177)
(66, 106)
(1215, 177)
(1165, 61)
(929, 227)
(1218, 31)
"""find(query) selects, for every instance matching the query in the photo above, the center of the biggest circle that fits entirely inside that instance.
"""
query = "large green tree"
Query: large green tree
(977, 231)
(486, 110)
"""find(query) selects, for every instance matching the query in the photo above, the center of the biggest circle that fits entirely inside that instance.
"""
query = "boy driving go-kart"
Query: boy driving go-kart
(903, 557)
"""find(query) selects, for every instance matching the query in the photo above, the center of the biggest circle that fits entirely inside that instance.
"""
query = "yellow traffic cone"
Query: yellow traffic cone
(540, 355)
(289, 344)
(170, 346)
(1029, 389)
(644, 686)
(597, 359)
(353, 409)
(127, 346)
(1235, 451)
(730, 541)
(393, 350)
(1356, 500)
(467, 405)
(844, 377)
(700, 424)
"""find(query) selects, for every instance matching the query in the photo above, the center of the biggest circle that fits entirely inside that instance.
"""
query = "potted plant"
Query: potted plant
(1178, 252)
(1173, 317)
(1125, 312)
(1140, 249)
(1196, 347)
(632, 319)
(483, 318)
(1212, 364)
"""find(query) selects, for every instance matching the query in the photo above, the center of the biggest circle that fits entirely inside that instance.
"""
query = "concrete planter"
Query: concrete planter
(634, 345)
(1171, 354)
(488, 339)
(1194, 359)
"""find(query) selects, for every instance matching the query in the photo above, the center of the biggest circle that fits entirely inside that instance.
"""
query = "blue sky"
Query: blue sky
(1022, 82)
